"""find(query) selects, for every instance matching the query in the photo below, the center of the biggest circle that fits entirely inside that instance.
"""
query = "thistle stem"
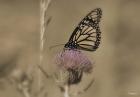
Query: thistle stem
(66, 92)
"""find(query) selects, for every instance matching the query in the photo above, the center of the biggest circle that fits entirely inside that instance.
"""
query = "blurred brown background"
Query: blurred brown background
(117, 70)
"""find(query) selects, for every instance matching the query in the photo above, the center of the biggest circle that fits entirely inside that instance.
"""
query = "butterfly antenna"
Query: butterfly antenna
(51, 47)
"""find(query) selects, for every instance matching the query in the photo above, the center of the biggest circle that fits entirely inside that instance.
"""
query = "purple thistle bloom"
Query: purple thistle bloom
(75, 63)
(70, 59)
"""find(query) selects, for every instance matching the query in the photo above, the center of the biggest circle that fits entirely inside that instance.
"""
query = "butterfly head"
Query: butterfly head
(71, 45)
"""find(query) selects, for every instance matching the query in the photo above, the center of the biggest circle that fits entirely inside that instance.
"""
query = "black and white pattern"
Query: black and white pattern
(87, 34)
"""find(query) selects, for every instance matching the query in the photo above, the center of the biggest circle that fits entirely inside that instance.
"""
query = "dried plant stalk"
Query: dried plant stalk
(43, 10)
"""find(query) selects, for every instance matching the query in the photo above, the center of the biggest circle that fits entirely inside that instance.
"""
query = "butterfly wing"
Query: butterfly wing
(87, 35)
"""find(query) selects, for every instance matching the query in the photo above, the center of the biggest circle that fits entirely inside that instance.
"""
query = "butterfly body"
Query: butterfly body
(86, 35)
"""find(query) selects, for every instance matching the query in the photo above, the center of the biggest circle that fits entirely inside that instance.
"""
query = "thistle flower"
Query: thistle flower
(75, 62)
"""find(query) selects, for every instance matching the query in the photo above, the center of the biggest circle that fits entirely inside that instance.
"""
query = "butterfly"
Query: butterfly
(87, 34)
